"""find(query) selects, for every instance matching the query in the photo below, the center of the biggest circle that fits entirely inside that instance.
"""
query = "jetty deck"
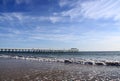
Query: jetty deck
(37, 50)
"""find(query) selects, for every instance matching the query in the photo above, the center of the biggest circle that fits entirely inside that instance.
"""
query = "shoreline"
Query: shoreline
(80, 61)
(24, 70)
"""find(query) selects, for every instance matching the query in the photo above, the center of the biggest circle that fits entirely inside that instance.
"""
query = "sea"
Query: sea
(79, 66)
(88, 58)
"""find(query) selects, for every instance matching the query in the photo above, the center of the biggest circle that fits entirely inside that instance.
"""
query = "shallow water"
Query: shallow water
(47, 67)
(84, 58)
(24, 70)
(101, 55)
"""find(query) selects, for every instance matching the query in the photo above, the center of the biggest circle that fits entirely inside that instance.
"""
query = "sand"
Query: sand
(25, 70)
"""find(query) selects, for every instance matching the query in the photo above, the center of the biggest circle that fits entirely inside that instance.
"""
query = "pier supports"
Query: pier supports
(72, 50)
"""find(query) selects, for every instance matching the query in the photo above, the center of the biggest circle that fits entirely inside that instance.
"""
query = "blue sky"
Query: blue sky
(85, 24)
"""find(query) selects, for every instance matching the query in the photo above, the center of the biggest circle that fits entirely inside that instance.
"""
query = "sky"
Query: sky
(89, 25)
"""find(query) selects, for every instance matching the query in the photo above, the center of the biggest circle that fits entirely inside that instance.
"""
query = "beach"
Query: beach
(31, 70)
(59, 40)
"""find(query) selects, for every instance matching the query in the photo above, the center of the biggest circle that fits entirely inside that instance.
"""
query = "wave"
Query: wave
(66, 61)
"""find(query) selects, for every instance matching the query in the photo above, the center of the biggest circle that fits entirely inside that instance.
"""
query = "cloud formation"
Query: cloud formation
(22, 25)
(85, 24)
(23, 17)
(93, 9)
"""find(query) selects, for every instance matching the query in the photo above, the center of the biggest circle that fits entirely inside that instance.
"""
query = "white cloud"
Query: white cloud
(23, 17)
(95, 9)
(72, 13)
(11, 17)
(63, 34)
(70, 3)
(55, 37)
(11, 32)
(22, 1)
(63, 3)
(6, 35)
(41, 33)
(29, 25)
(102, 9)
(55, 19)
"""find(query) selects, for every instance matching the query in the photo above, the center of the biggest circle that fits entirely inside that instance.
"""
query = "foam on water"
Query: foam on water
(65, 60)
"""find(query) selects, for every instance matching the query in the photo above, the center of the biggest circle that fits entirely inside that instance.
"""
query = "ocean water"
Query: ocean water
(83, 66)
(25, 70)
(80, 57)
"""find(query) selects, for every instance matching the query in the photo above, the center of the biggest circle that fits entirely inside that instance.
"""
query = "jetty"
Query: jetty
(37, 50)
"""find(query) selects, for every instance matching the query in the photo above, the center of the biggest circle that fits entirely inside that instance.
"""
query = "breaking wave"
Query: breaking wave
(64, 60)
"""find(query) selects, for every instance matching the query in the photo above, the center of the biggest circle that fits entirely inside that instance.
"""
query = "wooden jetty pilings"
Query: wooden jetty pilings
(34, 50)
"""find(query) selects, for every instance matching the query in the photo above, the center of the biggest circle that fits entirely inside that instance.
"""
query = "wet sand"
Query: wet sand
(26, 70)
